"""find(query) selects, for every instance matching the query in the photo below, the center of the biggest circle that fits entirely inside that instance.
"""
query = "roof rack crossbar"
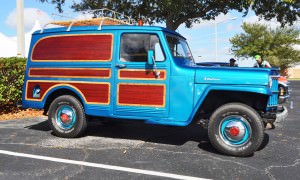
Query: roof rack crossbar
(100, 25)
(69, 28)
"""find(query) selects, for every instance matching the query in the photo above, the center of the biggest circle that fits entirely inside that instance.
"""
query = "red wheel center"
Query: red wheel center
(234, 131)
(64, 117)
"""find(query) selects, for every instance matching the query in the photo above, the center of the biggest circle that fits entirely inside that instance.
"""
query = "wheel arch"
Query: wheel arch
(213, 98)
(62, 90)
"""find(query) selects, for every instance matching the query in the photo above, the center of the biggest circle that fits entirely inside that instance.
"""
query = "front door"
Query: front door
(141, 90)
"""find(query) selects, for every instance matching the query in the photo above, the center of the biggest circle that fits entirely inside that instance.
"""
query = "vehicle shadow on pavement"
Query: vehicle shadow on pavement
(42, 126)
(265, 142)
(138, 130)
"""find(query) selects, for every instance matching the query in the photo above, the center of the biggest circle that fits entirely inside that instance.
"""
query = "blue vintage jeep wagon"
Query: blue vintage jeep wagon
(103, 67)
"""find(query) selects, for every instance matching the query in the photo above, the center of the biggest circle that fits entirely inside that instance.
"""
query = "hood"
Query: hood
(232, 75)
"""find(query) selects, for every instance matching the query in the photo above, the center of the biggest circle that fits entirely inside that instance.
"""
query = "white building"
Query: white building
(294, 72)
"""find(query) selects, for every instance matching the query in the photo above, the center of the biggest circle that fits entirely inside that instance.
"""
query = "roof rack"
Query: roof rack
(99, 18)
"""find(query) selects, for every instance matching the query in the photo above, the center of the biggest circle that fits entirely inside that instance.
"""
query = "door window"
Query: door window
(134, 47)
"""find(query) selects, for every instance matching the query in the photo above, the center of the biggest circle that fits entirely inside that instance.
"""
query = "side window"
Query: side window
(158, 53)
(134, 47)
(176, 47)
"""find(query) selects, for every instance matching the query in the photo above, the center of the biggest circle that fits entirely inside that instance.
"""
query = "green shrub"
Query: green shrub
(12, 72)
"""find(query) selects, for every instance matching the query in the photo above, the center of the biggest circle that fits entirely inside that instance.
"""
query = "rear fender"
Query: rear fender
(40, 104)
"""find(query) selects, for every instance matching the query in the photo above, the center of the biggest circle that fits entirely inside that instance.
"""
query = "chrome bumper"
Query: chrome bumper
(275, 116)
(280, 116)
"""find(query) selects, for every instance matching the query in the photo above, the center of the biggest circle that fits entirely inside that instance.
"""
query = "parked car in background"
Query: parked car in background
(283, 88)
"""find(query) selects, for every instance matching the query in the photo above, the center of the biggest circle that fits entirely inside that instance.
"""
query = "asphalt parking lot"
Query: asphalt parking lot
(133, 150)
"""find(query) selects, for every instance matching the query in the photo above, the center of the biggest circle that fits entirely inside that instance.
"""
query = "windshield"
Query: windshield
(179, 48)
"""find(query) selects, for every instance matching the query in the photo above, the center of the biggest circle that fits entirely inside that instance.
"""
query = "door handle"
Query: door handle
(121, 66)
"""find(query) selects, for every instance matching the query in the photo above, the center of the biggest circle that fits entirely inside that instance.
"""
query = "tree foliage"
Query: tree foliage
(275, 45)
(177, 12)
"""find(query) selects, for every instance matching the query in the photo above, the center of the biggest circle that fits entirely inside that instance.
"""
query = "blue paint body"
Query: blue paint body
(187, 85)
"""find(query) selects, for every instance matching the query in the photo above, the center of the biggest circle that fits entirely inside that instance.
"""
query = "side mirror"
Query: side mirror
(151, 61)
(150, 57)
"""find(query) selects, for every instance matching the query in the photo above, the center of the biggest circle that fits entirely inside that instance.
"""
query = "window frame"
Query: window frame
(142, 33)
(181, 39)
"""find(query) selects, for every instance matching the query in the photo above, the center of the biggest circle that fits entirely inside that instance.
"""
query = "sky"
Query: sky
(201, 37)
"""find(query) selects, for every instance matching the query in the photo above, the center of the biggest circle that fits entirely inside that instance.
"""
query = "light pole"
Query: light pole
(216, 35)
(20, 29)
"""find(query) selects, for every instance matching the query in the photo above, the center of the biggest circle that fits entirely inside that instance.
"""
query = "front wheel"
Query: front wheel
(236, 129)
(66, 117)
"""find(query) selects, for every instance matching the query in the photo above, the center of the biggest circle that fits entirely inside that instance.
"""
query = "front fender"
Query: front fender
(201, 92)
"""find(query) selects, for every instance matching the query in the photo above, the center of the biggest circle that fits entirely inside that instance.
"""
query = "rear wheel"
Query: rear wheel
(66, 117)
(236, 129)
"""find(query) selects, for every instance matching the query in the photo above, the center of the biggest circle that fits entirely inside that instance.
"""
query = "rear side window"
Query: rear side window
(134, 47)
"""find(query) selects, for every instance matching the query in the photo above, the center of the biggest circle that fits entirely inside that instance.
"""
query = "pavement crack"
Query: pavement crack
(268, 169)
(287, 137)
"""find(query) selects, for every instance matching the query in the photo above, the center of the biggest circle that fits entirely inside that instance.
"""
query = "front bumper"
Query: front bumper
(282, 114)
(277, 115)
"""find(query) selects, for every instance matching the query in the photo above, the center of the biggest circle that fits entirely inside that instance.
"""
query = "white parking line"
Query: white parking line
(103, 166)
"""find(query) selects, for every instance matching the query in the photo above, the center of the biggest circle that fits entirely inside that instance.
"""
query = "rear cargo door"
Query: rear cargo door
(141, 90)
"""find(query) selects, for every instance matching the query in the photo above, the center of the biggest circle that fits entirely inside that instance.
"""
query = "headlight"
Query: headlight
(270, 82)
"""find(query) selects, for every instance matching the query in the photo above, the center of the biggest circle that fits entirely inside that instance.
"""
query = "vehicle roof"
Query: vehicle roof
(107, 27)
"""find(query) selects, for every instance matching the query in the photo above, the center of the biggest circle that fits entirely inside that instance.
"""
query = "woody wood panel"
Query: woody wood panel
(90, 47)
(141, 95)
(70, 72)
(93, 93)
(141, 74)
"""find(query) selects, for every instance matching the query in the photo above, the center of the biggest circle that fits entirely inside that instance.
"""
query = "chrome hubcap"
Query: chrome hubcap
(235, 130)
(65, 117)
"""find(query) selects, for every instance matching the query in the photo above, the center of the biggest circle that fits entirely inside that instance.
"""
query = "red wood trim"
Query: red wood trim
(141, 94)
(93, 93)
(75, 47)
(70, 72)
(141, 74)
